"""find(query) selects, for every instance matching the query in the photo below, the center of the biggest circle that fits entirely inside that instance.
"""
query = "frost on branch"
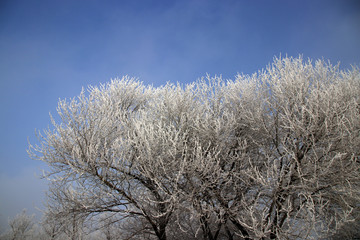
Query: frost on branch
(274, 155)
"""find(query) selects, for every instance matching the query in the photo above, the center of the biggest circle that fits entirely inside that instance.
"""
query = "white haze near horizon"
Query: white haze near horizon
(28, 189)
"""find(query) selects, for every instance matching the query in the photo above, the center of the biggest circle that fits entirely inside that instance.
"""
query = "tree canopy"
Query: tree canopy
(274, 155)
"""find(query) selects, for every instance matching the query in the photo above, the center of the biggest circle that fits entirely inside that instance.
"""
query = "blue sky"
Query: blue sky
(51, 49)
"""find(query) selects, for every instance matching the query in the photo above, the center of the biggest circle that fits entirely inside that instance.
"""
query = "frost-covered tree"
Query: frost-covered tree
(298, 128)
(22, 227)
(51, 229)
(274, 155)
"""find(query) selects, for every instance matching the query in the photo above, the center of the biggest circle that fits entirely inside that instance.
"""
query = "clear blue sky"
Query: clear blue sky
(50, 49)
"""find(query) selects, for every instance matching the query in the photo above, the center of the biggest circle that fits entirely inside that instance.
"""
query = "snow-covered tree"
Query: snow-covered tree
(22, 227)
(274, 155)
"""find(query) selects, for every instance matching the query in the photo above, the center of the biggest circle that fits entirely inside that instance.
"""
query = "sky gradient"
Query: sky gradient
(49, 50)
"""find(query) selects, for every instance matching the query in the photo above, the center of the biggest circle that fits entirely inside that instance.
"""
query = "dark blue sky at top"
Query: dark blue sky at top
(51, 49)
